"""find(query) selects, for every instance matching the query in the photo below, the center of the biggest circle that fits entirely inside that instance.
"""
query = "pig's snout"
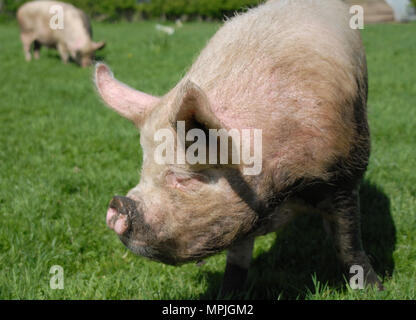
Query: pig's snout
(120, 213)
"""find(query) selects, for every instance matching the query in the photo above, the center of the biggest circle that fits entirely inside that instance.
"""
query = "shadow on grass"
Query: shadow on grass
(302, 249)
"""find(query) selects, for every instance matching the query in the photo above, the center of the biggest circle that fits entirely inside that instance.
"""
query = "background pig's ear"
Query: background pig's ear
(98, 45)
(192, 106)
(129, 103)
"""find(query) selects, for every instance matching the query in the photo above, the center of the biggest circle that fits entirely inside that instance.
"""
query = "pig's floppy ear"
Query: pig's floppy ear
(128, 102)
(193, 106)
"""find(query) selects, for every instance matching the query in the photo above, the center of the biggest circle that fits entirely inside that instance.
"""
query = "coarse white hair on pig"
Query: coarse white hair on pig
(297, 71)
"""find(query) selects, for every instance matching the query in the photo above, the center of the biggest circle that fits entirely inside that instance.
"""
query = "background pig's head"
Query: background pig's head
(85, 55)
(177, 213)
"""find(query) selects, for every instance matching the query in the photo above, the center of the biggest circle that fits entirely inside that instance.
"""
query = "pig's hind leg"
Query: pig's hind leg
(345, 228)
(36, 50)
(238, 263)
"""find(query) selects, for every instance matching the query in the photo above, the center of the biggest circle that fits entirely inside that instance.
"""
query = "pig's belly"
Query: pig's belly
(46, 38)
(284, 214)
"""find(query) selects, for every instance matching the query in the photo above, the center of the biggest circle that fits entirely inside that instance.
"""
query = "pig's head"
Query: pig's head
(86, 54)
(178, 212)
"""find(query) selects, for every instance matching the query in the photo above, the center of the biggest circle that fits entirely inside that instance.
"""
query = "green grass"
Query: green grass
(63, 156)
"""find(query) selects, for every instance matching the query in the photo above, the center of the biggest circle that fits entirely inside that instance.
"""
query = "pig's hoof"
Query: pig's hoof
(373, 281)
(118, 214)
(234, 281)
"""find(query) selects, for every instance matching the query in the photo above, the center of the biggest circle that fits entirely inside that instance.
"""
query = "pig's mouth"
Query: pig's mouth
(127, 221)
(147, 251)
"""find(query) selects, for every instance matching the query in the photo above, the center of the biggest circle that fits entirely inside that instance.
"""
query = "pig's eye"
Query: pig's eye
(185, 183)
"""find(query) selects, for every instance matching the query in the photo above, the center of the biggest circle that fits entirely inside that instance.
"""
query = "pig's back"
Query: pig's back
(291, 68)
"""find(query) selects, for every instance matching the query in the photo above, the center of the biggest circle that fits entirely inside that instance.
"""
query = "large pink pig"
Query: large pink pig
(57, 25)
(294, 69)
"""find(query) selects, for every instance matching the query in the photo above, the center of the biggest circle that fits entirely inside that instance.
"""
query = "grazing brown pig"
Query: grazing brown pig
(57, 25)
(297, 71)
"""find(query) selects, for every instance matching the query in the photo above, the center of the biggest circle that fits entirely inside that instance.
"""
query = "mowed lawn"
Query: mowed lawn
(63, 156)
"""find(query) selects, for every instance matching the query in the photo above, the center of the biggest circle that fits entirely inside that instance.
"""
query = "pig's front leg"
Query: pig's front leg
(27, 40)
(63, 52)
(236, 270)
(345, 228)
